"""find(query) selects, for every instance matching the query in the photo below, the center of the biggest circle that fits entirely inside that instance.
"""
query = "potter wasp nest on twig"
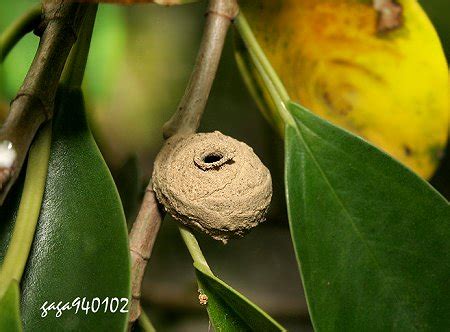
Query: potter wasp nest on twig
(213, 183)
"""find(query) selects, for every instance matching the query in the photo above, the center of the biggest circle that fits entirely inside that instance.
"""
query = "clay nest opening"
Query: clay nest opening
(213, 183)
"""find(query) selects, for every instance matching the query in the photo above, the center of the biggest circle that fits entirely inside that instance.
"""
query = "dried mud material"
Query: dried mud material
(213, 183)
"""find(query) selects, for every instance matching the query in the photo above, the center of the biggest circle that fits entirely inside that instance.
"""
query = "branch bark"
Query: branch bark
(189, 112)
(186, 120)
(142, 238)
(33, 104)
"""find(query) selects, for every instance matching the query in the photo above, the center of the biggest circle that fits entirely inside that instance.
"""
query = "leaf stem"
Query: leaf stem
(249, 38)
(142, 238)
(18, 29)
(29, 208)
(270, 78)
(194, 249)
(187, 117)
(145, 323)
(33, 104)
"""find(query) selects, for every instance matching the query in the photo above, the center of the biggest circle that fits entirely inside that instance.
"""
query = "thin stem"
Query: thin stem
(18, 29)
(255, 84)
(253, 46)
(187, 117)
(145, 323)
(142, 238)
(193, 247)
(29, 208)
(278, 101)
(33, 104)
(268, 75)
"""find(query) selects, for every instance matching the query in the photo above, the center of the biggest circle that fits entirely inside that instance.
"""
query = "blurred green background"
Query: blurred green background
(139, 65)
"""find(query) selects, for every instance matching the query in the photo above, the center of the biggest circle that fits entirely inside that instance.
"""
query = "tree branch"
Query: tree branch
(186, 120)
(142, 238)
(33, 104)
(187, 117)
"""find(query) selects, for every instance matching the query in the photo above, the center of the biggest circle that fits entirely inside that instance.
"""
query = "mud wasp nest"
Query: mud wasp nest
(213, 183)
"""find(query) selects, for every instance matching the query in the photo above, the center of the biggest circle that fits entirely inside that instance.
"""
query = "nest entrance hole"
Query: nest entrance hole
(211, 158)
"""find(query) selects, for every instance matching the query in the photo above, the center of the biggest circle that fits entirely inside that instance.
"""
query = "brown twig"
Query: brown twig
(186, 120)
(142, 238)
(187, 117)
(33, 104)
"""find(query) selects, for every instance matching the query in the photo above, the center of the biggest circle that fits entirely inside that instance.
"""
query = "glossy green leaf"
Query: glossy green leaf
(9, 309)
(80, 248)
(371, 237)
(228, 310)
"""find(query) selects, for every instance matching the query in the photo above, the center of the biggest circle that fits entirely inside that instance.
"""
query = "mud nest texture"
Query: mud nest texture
(213, 183)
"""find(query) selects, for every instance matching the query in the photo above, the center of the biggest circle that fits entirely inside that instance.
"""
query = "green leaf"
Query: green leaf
(371, 237)
(228, 310)
(9, 309)
(80, 247)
